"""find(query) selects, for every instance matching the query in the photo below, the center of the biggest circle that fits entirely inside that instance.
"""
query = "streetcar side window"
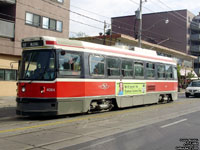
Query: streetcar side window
(161, 71)
(69, 64)
(97, 64)
(127, 68)
(113, 67)
(168, 70)
(139, 70)
(175, 73)
(150, 70)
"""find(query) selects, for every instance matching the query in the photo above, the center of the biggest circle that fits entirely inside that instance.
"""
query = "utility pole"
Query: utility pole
(111, 33)
(104, 33)
(140, 25)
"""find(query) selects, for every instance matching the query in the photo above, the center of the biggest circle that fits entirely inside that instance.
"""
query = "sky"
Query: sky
(87, 16)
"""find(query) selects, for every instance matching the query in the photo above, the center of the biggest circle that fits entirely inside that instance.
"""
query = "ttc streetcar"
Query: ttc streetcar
(61, 76)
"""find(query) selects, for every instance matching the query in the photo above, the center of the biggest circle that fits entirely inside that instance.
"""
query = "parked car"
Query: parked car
(193, 89)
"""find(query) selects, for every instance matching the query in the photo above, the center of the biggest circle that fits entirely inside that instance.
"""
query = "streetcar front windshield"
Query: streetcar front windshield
(38, 65)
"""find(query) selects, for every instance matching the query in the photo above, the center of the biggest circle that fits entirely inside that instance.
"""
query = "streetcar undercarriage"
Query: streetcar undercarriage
(52, 107)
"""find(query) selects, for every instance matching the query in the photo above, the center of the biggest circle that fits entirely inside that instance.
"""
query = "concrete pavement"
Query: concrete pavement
(8, 101)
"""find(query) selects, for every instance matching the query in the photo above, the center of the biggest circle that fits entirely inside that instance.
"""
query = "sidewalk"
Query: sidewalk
(182, 91)
(7, 101)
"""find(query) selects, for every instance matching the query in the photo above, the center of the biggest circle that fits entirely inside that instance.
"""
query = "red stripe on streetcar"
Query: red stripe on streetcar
(161, 86)
(51, 43)
(83, 89)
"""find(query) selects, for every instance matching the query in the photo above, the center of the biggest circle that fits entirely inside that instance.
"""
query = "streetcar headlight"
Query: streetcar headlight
(23, 89)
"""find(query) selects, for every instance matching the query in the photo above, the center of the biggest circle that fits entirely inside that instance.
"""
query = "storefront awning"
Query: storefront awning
(184, 72)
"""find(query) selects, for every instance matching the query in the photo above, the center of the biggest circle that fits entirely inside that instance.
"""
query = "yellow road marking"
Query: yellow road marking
(85, 118)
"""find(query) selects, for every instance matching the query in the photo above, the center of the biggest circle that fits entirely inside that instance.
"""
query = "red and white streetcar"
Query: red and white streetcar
(60, 76)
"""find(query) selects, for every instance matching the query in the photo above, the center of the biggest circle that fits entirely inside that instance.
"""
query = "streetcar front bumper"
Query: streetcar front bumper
(36, 107)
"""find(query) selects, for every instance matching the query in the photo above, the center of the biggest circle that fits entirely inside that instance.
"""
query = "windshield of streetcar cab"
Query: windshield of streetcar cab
(38, 65)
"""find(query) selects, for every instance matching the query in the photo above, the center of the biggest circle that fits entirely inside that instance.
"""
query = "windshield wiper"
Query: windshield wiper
(29, 61)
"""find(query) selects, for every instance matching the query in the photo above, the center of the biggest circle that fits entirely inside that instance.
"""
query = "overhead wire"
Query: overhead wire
(120, 22)
(76, 14)
(93, 18)
(183, 18)
(170, 12)
(85, 16)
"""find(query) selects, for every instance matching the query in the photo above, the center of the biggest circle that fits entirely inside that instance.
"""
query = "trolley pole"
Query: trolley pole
(140, 25)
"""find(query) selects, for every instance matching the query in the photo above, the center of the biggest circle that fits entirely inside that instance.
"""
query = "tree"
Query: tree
(179, 73)
(190, 75)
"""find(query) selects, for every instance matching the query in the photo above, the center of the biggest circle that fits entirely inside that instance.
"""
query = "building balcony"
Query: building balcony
(7, 29)
(195, 26)
(195, 48)
(7, 2)
(195, 37)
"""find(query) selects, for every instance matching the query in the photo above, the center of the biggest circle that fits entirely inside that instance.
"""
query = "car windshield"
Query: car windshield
(195, 84)
(38, 65)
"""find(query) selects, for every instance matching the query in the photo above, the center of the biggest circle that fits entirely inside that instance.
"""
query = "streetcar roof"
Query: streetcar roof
(61, 43)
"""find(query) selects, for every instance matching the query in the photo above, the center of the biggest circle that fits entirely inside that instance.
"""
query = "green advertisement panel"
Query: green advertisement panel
(130, 88)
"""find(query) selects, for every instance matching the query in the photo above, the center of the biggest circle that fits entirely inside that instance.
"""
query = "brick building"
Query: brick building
(27, 18)
(179, 30)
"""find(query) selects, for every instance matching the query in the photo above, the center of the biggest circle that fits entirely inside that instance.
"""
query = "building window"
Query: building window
(2, 74)
(52, 24)
(60, 1)
(59, 26)
(32, 19)
(8, 75)
(45, 22)
(29, 18)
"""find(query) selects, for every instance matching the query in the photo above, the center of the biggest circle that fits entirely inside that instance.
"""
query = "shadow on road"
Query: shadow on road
(7, 112)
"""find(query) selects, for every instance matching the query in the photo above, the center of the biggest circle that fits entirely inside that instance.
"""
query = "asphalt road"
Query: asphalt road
(7, 112)
(153, 127)
(178, 133)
